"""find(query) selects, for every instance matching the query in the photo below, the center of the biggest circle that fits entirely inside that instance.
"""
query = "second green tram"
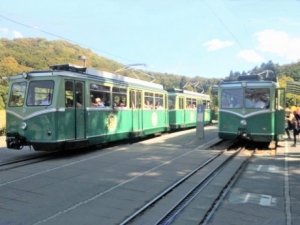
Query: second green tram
(183, 108)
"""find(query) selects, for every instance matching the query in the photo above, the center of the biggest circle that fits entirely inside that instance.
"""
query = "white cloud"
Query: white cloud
(250, 56)
(279, 43)
(4, 30)
(17, 34)
(217, 44)
(8, 33)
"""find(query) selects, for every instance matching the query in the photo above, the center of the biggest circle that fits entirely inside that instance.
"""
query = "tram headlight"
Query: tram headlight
(23, 125)
(25, 75)
(243, 122)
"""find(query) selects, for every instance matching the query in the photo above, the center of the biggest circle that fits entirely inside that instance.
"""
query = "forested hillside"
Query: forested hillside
(26, 54)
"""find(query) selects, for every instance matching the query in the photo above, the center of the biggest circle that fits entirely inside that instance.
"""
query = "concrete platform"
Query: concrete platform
(267, 191)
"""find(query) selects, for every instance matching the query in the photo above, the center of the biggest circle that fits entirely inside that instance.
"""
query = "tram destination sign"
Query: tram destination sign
(293, 87)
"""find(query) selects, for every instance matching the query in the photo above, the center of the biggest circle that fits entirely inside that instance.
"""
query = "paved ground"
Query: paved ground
(266, 193)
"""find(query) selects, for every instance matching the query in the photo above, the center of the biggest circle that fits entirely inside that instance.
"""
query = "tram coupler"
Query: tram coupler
(243, 135)
(15, 141)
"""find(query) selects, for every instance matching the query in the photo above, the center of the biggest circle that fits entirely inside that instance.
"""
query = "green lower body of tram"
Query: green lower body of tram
(66, 129)
(260, 127)
(180, 119)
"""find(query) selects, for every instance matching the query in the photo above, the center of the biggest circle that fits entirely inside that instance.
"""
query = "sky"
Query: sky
(206, 38)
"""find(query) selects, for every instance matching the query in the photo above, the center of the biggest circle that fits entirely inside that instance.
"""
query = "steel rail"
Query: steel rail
(169, 189)
(179, 207)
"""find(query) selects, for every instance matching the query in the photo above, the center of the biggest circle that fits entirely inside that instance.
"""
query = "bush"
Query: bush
(2, 131)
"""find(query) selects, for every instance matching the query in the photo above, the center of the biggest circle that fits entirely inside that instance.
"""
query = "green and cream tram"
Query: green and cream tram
(69, 106)
(183, 108)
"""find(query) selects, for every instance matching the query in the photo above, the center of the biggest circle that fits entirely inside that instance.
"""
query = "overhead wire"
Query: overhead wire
(224, 25)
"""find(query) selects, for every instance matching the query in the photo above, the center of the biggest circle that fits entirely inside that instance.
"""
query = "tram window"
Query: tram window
(69, 92)
(132, 99)
(190, 103)
(159, 101)
(119, 96)
(257, 98)
(232, 98)
(40, 93)
(102, 92)
(17, 94)
(171, 100)
(148, 103)
(135, 99)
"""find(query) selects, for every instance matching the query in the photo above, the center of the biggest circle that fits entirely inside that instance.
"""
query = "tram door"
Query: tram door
(136, 104)
(73, 123)
(79, 111)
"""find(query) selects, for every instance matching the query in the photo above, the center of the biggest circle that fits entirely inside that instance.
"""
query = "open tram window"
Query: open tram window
(100, 95)
(40, 93)
(159, 101)
(232, 98)
(191, 103)
(17, 94)
(135, 99)
(258, 98)
(148, 103)
(119, 97)
(206, 103)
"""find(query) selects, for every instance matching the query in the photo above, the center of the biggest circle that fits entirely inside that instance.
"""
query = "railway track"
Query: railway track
(217, 174)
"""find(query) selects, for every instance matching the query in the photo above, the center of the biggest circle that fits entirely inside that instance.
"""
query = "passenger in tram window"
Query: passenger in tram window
(249, 102)
(258, 103)
(69, 103)
(121, 103)
(47, 100)
(99, 103)
(147, 105)
(158, 106)
(93, 102)
(188, 105)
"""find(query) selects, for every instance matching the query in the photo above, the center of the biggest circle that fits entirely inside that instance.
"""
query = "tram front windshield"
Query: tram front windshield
(251, 98)
(40, 93)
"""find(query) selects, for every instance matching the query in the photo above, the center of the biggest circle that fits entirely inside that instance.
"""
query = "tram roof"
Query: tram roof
(91, 73)
(104, 74)
(176, 90)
